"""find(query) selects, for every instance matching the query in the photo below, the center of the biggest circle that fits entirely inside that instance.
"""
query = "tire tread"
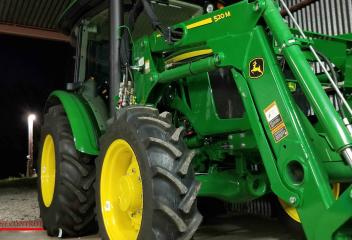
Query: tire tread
(170, 164)
(75, 199)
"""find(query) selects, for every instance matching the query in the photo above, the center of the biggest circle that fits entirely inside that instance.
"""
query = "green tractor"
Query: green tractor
(178, 100)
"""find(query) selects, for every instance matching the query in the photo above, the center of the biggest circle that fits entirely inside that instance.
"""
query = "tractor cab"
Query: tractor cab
(91, 34)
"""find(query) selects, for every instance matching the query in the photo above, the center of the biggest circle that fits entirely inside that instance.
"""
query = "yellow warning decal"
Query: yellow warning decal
(276, 122)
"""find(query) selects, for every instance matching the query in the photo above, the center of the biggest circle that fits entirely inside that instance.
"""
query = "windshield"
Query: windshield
(95, 33)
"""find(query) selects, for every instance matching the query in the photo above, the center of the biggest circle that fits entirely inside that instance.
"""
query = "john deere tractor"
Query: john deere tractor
(177, 100)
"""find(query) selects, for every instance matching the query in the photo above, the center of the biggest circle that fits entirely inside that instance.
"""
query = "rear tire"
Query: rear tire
(169, 189)
(70, 212)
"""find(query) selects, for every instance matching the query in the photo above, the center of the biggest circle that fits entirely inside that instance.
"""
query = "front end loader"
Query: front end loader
(174, 101)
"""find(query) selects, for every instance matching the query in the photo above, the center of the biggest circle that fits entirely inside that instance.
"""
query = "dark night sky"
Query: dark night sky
(29, 70)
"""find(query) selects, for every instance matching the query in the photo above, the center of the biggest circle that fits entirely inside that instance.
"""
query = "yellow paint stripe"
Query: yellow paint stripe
(200, 23)
(188, 55)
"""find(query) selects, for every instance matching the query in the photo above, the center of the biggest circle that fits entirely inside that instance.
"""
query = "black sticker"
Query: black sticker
(276, 121)
(256, 68)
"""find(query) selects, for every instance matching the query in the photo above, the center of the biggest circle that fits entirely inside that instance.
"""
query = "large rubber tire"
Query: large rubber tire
(169, 187)
(71, 212)
(293, 222)
(294, 227)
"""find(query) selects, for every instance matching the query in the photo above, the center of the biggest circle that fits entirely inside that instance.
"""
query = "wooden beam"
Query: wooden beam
(33, 33)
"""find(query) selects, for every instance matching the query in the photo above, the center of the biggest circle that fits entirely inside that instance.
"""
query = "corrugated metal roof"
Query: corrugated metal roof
(43, 14)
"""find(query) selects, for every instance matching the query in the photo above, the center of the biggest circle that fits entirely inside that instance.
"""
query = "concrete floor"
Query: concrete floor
(234, 228)
(19, 204)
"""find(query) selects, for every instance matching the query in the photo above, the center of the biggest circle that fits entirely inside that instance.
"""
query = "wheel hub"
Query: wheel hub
(129, 195)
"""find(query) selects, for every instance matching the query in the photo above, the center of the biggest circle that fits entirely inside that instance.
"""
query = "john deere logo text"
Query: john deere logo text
(256, 68)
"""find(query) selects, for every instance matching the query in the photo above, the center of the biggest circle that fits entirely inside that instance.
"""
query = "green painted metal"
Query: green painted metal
(348, 70)
(302, 71)
(96, 104)
(82, 123)
(196, 110)
(193, 68)
(244, 155)
(346, 36)
(231, 186)
(203, 114)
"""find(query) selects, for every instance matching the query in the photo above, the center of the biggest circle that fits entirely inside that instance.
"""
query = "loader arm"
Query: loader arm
(301, 158)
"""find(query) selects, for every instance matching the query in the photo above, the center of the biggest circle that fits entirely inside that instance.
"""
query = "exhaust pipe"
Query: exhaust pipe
(116, 21)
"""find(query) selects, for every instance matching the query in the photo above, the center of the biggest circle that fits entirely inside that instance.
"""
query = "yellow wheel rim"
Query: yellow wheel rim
(47, 170)
(121, 192)
(292, 212)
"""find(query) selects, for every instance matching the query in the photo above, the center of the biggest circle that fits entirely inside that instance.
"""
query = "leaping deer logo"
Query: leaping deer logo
(256, 68)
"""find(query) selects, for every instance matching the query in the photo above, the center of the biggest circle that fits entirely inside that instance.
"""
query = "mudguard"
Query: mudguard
(85, 132)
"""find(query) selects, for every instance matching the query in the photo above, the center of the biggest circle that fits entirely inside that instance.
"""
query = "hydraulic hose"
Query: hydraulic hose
(334, 77)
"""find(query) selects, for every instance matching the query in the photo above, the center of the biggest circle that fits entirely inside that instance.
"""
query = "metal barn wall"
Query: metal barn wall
(41, 14)
(331, 17)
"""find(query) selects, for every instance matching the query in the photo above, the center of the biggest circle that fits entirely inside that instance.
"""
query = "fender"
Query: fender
(85, 132)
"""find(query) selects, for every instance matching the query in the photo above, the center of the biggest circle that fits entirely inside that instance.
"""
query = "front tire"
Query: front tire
(65, 180)
(288, 215)
(145, 183)
(289, 218)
